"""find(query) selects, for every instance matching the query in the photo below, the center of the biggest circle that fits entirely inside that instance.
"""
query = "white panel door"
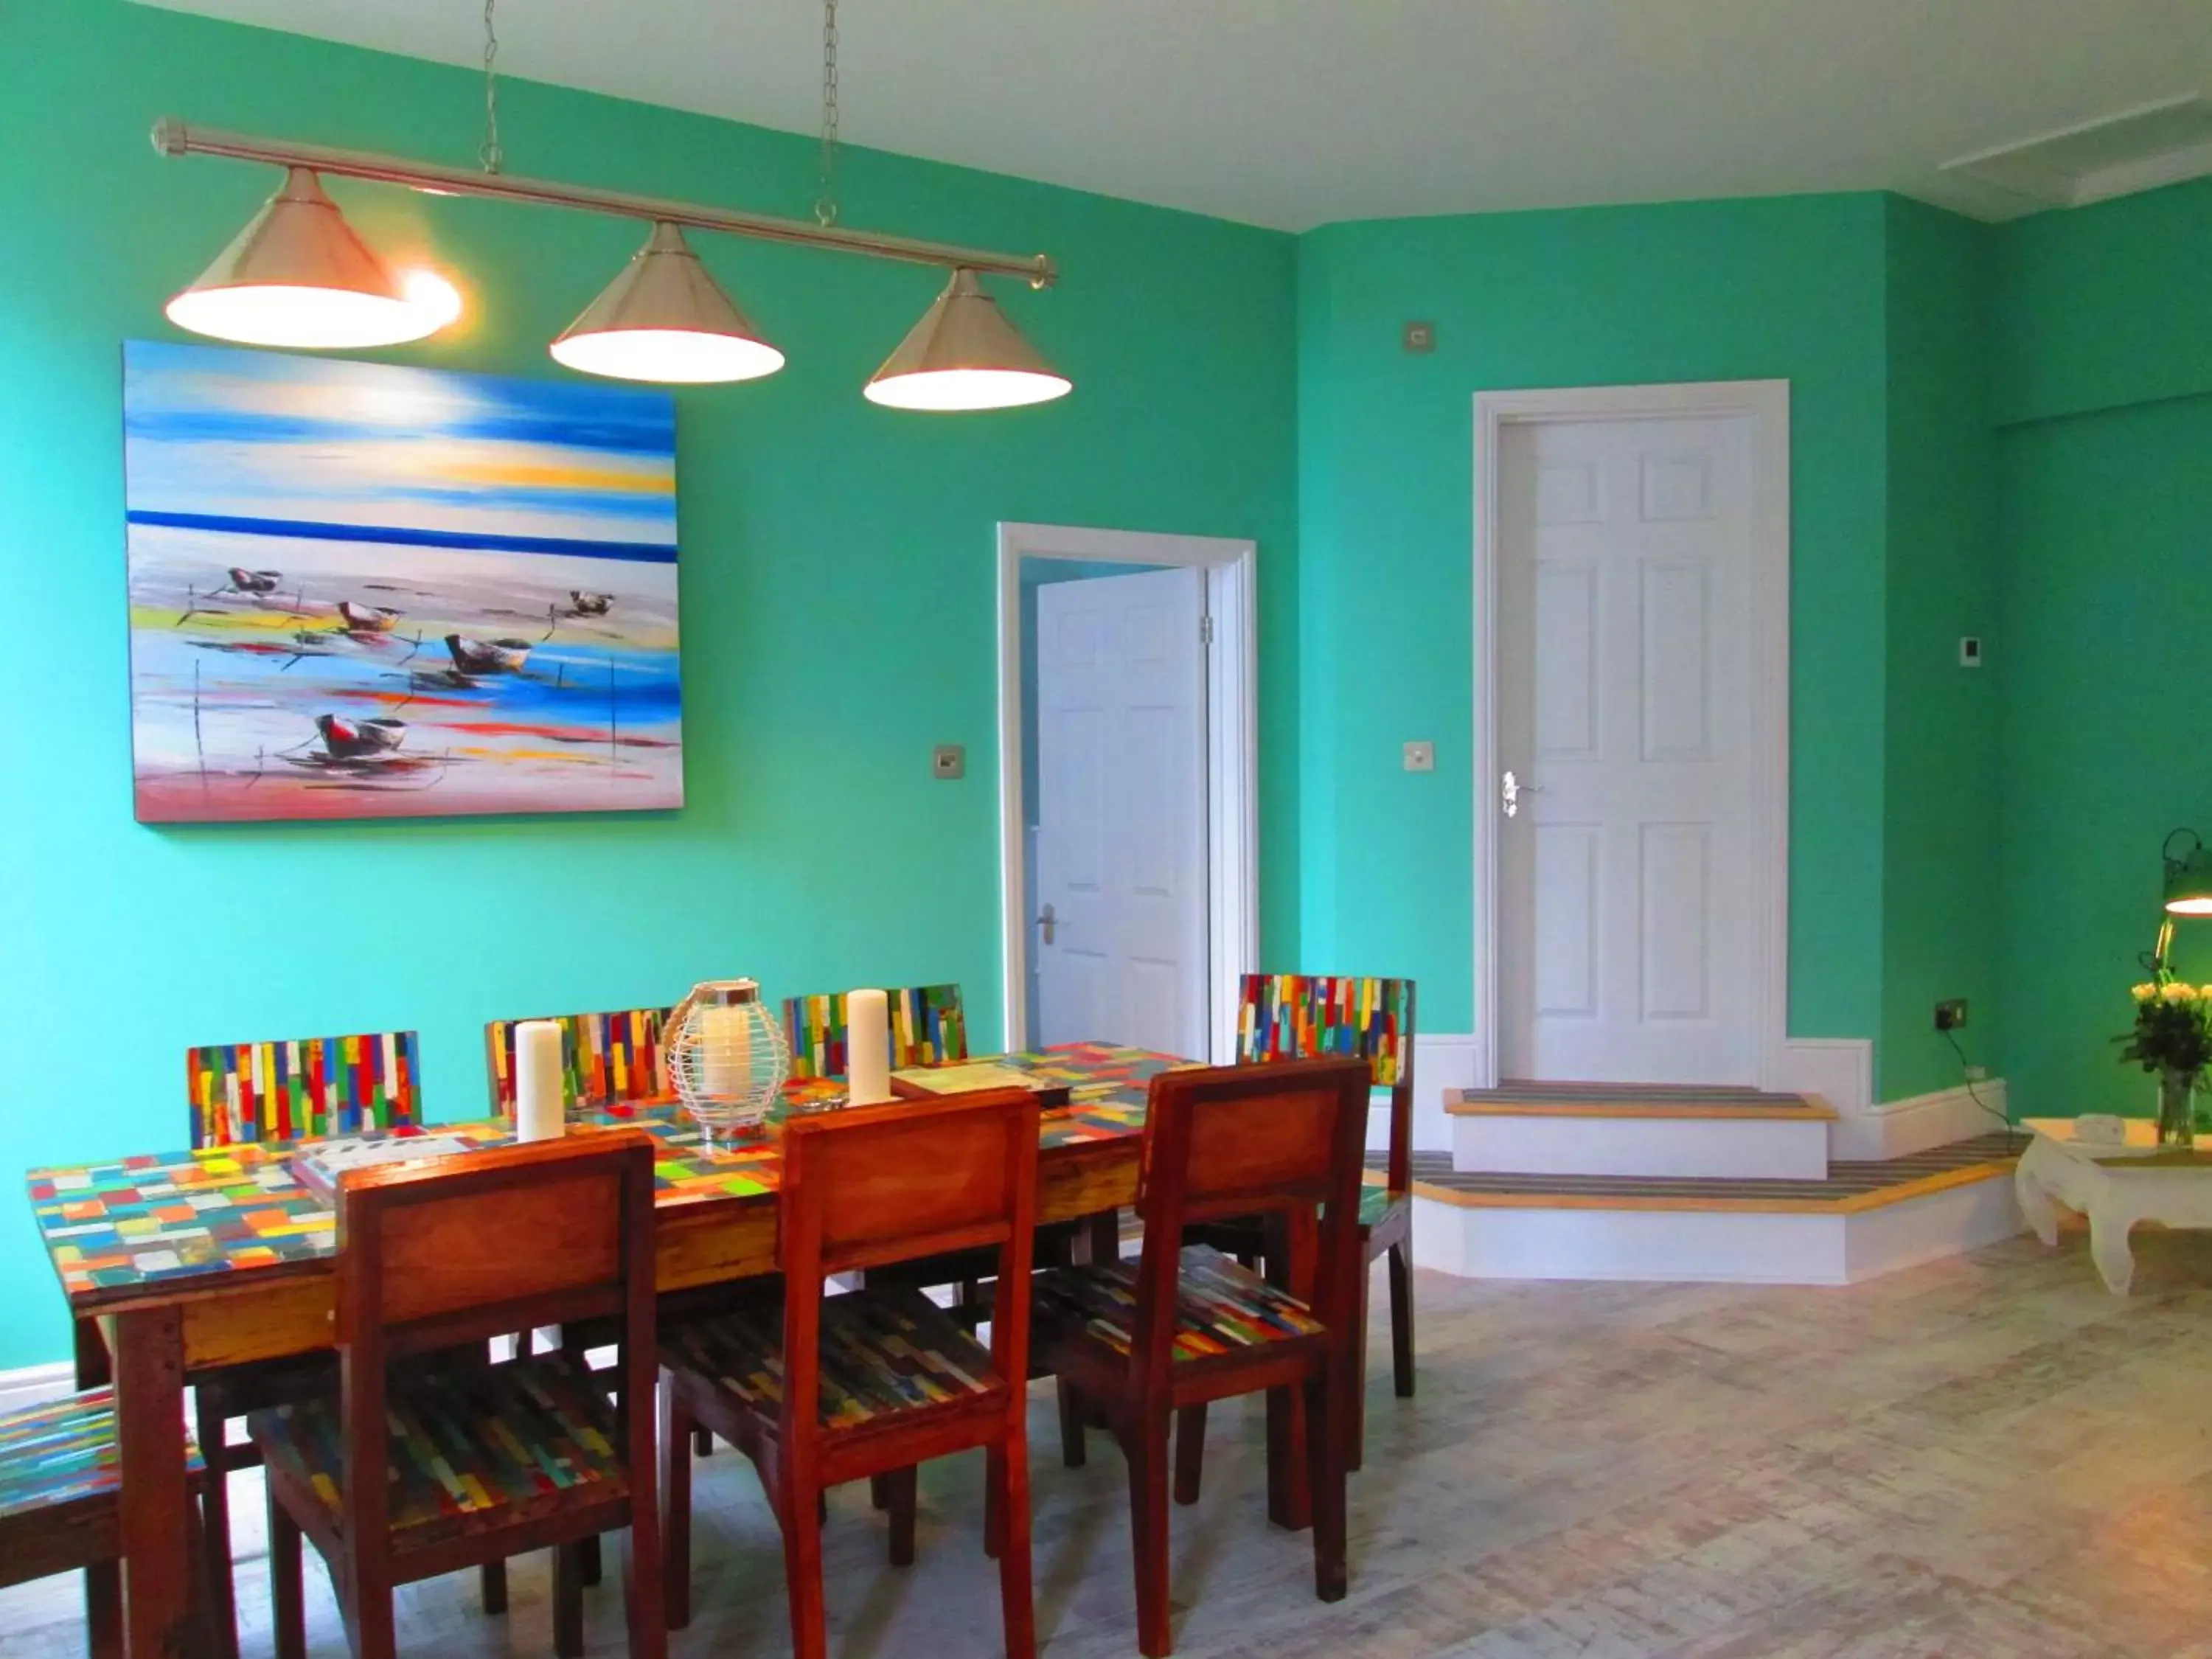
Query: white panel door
(1121, 811)
(1625, 895)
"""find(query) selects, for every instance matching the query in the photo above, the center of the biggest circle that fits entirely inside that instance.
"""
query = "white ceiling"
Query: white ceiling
(1299, 112)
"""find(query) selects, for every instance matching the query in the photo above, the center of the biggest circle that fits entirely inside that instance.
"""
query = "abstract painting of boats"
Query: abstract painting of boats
(365, 590)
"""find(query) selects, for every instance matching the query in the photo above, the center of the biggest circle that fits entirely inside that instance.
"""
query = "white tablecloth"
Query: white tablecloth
(2114, 1185)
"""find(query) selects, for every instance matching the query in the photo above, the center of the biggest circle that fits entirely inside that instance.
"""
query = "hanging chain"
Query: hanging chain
(488, 152)
(825, 201)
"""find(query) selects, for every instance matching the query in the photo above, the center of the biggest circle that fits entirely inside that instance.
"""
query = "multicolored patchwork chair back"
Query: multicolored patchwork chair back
(927, 1028)
(1307, 1016)
(605, 1058)
(244, 1092)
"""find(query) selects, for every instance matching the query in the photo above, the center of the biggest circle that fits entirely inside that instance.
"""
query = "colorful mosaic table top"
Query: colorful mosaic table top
(183, 1219)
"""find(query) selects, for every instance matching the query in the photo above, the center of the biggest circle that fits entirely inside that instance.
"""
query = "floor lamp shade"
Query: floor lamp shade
(665, 319)
(299, 276)
(2188, 878)
(964, 354)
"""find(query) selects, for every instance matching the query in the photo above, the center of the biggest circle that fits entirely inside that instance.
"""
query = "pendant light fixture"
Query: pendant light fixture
(965, 355)
(298, 274)
(665, 319)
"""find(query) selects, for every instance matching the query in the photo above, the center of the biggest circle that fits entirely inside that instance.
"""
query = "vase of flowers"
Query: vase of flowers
(2172, 1038)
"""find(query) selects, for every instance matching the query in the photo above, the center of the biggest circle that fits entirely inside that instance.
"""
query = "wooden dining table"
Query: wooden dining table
(179, 1263)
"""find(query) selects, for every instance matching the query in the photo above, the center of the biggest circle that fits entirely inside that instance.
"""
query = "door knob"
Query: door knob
(1509, 791)
(1047, 921)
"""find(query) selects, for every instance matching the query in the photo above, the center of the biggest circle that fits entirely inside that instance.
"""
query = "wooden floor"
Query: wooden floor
(1990, 1456)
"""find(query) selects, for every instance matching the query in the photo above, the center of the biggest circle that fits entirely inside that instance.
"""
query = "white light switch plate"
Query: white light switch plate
(1420, 757)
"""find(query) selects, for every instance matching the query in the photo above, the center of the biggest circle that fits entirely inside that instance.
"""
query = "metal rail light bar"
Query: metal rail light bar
(175, 137)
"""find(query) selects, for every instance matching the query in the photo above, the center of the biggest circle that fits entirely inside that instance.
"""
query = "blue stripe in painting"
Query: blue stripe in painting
(637, 552)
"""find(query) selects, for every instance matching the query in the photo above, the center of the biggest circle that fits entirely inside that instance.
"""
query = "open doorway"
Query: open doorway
(1126, 785)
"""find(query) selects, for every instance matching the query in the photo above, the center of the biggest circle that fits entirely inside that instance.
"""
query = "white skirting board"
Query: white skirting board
(1721, 1247)
(33, 1385)
(1748, 1148)
(1439, 1063)
(1897, 1128)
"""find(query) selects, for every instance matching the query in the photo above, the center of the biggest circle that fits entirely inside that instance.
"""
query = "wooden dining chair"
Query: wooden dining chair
(252, 1094)
(822, 1390)
(1183, 1325)
(429, 1458)
(606, 1059)
(1303, 1017)
(60, 1497)
(927, 1028)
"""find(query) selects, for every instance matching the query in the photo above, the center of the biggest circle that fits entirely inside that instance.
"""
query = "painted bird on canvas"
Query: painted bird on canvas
(589, 604)
(487, 657)
(356, 739)
(254, 582)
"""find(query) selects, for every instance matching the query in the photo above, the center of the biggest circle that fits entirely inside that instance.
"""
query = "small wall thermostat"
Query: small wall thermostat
(1420, 757)
(948, 760)
(1420, 337)
(1970, 652)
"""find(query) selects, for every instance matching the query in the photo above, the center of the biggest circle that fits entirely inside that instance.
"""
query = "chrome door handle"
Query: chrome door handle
(1047, 921)
(1509, 791)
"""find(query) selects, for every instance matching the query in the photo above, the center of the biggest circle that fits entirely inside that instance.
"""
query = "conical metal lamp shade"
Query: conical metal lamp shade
(298, 274)
(964, 354)
(665, 319)
(2189, 878)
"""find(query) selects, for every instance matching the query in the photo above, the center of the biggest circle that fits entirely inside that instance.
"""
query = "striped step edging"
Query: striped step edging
(1614, 1100)
(1850, 1188)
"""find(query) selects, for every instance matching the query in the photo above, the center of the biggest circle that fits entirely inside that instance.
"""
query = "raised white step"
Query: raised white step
(1866, 1220)
(1573, 1130)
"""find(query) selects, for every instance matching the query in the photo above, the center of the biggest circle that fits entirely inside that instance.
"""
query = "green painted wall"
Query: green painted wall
(2104, 376)
(1791, 288)
(1940, 813)
(838, 583)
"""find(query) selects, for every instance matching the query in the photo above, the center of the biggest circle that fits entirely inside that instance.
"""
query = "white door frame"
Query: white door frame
(1767, 404)
(1232, 751)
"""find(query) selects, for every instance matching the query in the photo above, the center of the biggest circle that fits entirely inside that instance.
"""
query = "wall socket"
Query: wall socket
(1950, 1014)
(948, 760)
(1420, 757)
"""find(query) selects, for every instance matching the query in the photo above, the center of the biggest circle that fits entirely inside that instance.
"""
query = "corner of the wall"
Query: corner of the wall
(1836, 1070)
(1918, 1123)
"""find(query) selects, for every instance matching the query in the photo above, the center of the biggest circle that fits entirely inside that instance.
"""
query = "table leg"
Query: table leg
(2034, 1202)
(1292, 1260)
(147, 1348)
(2108, 1249)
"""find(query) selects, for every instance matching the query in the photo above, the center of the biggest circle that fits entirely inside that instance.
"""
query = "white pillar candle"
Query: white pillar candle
(867, 1047)
(726, 1057)
(540, 1114)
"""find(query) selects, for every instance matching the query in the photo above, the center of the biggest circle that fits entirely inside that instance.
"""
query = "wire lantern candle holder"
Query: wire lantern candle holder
(727, 1056)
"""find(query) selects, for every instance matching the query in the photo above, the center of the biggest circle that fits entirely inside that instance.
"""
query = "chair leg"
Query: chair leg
(568, 1601)
(676, 1445)
(491, 1587)
(900, 1490)
(1189, 1453)
(1071, 1449)
(103, 1610)
(589, 1561)
(214, 1508)
(1401, 1317)
(643, 1578)
(218, 1591)
(1009, 1477)
(703, 1442)
(371, 1629)
(802, 1572)
(1329, 1418)
(1147, 1450)
(287, 1610)
(1356, 1454)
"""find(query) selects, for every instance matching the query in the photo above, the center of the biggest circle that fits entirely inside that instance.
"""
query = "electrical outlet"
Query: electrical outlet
(1950, 1014)
(1419, 337)
(1420, 757)
(1970, 652)
(948, 760)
